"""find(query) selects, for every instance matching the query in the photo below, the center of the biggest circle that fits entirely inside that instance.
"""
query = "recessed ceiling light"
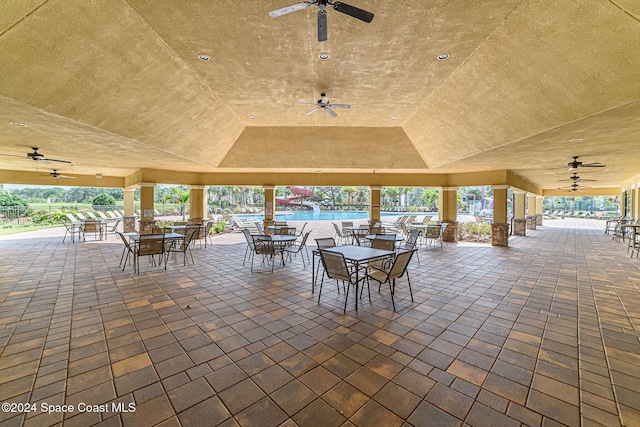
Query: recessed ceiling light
(324, 56)
(99, 176)
(204, 57)
(19, 124)
(252, 117)
(443, 56)
(576, 140)
(394, 118)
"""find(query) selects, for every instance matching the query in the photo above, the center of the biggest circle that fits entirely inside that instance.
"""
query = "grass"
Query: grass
(16, 229)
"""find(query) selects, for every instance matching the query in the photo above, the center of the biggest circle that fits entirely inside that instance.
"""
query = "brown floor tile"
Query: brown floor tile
(318, 413)
(293, 397)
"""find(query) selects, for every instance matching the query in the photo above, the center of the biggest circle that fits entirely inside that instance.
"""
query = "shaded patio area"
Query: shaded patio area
(543, 332)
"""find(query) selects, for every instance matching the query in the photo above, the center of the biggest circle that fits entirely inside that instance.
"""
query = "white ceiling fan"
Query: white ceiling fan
(324, 104)
(347, 9)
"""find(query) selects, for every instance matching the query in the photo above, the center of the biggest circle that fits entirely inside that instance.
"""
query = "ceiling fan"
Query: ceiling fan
(576, 178)
(55, 174)
(575, 164)
(573, 187)
(38, 157)
(324, 104)
(347, 9)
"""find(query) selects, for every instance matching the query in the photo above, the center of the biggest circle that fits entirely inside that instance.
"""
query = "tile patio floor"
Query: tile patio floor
(543, 333)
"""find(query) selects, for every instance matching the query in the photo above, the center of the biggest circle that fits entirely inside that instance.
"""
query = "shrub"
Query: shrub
(474, 232)
(220, 226)
(104, 199)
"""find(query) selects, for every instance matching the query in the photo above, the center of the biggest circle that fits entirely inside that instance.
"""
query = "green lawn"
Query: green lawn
(5, 231)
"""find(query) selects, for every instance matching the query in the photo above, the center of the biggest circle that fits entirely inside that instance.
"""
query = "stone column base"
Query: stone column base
(146, 226)
(519, 227)
(499, 234)
(129, 224)
(531, 223)
(539, 220)
(451, 233)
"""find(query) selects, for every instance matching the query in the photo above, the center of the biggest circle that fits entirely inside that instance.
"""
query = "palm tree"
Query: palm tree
(350, 192)
(180, 196)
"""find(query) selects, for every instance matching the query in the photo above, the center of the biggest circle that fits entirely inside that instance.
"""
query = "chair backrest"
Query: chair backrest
(206, 230)
(325, 242)
(304, 239)
(156, 230)
(82, 217)
(91, 215)
(259, 227)
(71, 217)
(404, 228)
(286, 231)
(400, 264)
(189, 232)
(386, 244)
(151, 244)
(413, 238)
(375, 230)
(347, 224)
(249, 237)
(115, 225)
(442, 228)
(91, 226)
(179, 222)
(301, 230)
(335, 265)
(337, 229)
(281, 223)
(124, 240)
(102, 215)
(263, 244)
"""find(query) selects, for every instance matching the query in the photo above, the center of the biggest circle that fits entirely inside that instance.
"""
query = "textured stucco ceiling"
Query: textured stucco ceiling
(116, 86)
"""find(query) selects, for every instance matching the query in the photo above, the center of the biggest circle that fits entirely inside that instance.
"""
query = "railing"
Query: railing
(13, 214)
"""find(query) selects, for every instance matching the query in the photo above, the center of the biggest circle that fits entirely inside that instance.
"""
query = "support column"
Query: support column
(374, 203)
(531, 211)
(500, 226)
(539, 208)
(147, 205)
(448, 211)
(197, 204)
(519, 216)
(269, 205)
(635, 200)
(129, 219)
(623, 203)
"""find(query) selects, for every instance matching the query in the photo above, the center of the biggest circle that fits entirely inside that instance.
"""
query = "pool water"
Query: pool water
(323, 215)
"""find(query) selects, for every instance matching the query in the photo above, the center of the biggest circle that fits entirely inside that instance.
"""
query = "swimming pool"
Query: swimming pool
(324, 215)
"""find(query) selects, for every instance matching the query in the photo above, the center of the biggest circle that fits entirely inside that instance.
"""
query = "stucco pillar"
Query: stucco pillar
(129, 219)
(269, 205)
(500, 226)
(539, 208)
(147, 207)
(374, 203)
(197, 203)
(531, 211)
(519, 215)
(623, 202)
(448, 212)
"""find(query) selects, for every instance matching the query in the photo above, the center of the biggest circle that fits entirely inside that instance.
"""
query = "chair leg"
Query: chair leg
(409, 282)
(392, 290)
(346, 298)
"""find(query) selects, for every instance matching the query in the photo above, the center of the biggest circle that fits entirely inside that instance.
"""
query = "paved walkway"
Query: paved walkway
(542, 333)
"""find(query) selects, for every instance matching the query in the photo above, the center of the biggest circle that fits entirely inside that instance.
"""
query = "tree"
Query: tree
(104, 199)
(16, 204)
(350, 191)
(180, 196)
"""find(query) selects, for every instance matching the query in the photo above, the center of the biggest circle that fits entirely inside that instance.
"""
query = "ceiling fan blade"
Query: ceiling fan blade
(357, 13)
(66, 177)
(307, 103)
(593, 165)
(340, 106)
(322, 26)
(311, 112)
(331, 112)
(288, 9)
(44, 160)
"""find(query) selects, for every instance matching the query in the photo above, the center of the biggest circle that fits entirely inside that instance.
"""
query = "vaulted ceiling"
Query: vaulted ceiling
(117, 86)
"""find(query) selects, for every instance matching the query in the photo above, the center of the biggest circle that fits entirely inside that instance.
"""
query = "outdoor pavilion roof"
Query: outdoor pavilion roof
(117, 87)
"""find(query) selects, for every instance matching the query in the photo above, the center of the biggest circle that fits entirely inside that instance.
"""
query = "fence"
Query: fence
(13, 214)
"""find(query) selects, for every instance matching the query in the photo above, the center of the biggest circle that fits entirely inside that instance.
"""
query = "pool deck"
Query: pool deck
(542, 333)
